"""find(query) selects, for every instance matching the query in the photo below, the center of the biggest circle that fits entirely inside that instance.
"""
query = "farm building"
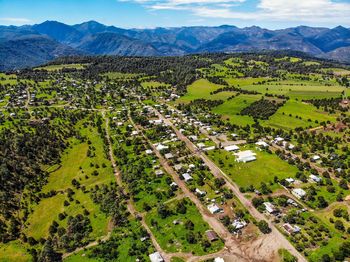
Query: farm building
(245, 156)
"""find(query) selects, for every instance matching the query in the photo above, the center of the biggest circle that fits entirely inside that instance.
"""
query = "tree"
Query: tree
(48, 254)
(264, 227)
(339, 225)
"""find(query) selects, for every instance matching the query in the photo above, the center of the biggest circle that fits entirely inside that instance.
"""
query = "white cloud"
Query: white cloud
(299, 11)
(14, 20)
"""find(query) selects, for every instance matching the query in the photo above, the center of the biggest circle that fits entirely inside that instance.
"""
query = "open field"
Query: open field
(173, 238)
(14, 251)
(76, 165)
(264, 169)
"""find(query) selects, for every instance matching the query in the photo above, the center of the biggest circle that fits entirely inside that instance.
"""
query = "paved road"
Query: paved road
(217, 172)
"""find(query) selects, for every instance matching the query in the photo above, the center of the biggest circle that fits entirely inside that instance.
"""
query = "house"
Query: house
(178, 167)
(149, 151)
(156, 257)
(290, 180)
(315, 158)
(298, 192)
(193, 138)
(238, 224)
(219, 259)
(134, 133)
(200, 192)
(159, 173)
(315, 178)
(213, 208)
(291, 229)
(187, 177)
(269, 207)
(209, 148)
(290, 146)
(262, 144)
(173, 185)
(211, 235)
(245, 156)
(169, 156)
(234, 135)
(278, 140)
(231, 148)
(161, 147)
(200, 145)
(292, 202)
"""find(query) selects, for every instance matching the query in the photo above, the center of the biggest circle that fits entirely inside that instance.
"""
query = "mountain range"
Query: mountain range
(31, 45)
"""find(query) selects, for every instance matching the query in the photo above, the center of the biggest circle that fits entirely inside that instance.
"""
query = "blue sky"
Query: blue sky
(272, 14)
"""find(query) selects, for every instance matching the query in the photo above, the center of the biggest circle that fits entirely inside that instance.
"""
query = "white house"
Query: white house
(209, 148)
(315, 178)
(231, 148)
(238, 224)
(156, 257)
(315, 158)
(298, 192)
(219, 259)
(262, 144)
(245, 156)
(187, 177)
(200, 192)
(213, 208)
(161, 147)
(269, 207)
(290, 180)
(200, 145)
(149, 151)
(169, 156)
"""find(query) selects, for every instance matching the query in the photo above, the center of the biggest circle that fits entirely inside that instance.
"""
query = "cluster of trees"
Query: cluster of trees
(330, 105)
(111, 200)
(199, 105)
(261, 109)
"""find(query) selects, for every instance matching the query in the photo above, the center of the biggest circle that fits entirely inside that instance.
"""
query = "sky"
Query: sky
(272, 14)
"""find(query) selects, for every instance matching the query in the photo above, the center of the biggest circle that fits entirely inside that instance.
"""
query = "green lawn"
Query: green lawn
(282, 118)
(230, 109)
(201, 89)
(59, 67)
(264, 169)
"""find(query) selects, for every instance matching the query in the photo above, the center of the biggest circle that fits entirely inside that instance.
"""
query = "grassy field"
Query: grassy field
(286, 116)
(153, 84)
(13, 251)
(230, 109)
(201, 89)
(172, 238)
(60, 180)
(122, 245)
(298, 89)
(264, 169)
